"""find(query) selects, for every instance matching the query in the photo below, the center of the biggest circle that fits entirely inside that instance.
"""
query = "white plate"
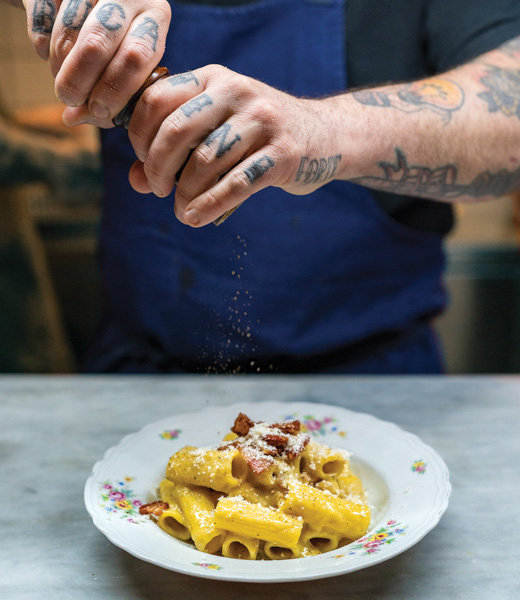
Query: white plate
(406, 480)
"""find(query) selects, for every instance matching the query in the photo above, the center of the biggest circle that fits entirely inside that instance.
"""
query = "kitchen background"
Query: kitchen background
(49, 287)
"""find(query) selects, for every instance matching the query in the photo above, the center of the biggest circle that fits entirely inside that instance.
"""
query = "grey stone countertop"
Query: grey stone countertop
(54, 428)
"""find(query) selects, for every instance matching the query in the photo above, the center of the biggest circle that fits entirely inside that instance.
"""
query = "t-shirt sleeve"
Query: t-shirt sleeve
(459, 30)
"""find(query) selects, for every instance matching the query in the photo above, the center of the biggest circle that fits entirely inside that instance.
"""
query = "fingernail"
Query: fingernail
(192, 216)
(99, 111)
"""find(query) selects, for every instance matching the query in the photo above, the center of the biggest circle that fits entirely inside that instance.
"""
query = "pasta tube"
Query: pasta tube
(221, 470)
(260, 522)
(239, 546)
(166, 488)
(197, 508)
(318, 541)
(351, 488)
(321, 462)
(249, 492)
(325, 512)
(277, 552)
(172, 521)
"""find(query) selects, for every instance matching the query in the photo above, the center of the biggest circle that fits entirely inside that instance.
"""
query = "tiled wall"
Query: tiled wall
(25, 79)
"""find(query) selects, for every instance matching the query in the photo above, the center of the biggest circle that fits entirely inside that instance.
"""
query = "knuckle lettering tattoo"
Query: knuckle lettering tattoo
(221, 134)
(148, 28)
(317, 170)
(105, 15)
(182, 78)
(258, 168)
(72, 19)
(44, 15)
(439, 182)
(195, 105)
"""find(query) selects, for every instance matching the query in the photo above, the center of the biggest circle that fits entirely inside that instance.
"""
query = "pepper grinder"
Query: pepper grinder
(123, 119)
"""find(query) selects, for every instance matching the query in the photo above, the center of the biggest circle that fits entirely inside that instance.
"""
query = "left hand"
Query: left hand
(236, 136)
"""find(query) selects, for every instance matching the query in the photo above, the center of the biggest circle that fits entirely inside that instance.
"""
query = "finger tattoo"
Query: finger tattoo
(108, 14)
(182, 78)
(73, 17)
(148, 28)
(195, 105)
(221, 134)
(258, 168)
(44, 15)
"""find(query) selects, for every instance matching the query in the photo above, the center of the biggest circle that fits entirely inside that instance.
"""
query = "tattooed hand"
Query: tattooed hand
(231, 136)
(99, 52)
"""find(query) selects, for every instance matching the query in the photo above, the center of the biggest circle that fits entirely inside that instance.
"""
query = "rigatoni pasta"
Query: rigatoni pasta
(268, 492)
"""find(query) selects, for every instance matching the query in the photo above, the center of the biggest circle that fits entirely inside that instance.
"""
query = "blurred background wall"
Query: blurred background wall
(49, 286)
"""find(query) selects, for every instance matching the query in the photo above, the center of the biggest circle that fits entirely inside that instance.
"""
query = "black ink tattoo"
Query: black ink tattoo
(503, 93)
(221, 134)
(44, 15)
(438, 183)
(317, 170)
(436, 94)
(511, 48)
(148, 28)
(182, 78)
(105, 15)
(196, 104)
(71, 17)
(258, 168)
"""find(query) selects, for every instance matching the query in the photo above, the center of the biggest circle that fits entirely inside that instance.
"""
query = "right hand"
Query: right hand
(99, 52)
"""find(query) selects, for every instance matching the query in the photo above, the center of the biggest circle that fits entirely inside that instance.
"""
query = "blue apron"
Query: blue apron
(322, 283)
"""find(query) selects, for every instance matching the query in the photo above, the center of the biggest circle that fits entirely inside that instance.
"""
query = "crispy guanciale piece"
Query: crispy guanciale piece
(289, 427)
(292, 453)
(256, 461)
(153, 508)
(242, 424)
(279, 442)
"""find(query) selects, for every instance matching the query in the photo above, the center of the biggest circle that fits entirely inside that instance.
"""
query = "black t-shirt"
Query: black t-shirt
(402, 40)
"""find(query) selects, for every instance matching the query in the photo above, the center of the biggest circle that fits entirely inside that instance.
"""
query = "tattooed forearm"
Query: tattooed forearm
(108, 16)
(258, 168)
(75, 15)
(148, 28)
(438, 183)
(503, 93)
(43, 17)
(195, 105)
(435, 94)
(221, 134)
(317, 170)
(511, 48)
(182, 78)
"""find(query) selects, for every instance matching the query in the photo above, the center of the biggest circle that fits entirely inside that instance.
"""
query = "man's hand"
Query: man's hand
(231, 136)
(99, 52)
